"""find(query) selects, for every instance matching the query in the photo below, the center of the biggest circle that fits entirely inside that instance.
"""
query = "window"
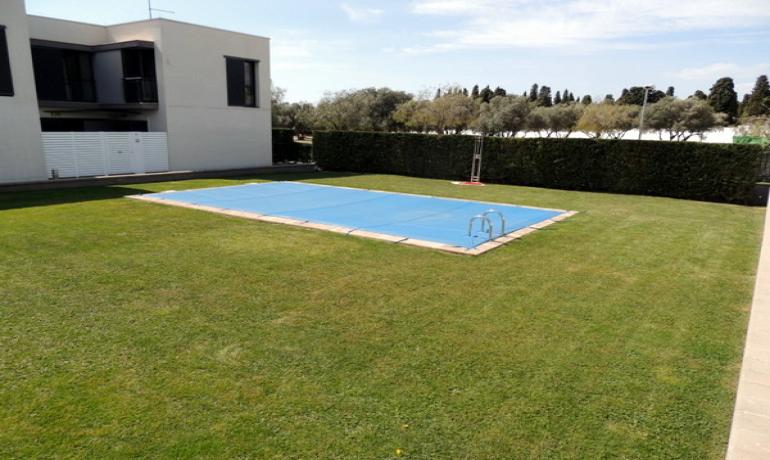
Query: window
(241, 82)
(87, 124)
(63, 74)
(6, 82)
(139, 81)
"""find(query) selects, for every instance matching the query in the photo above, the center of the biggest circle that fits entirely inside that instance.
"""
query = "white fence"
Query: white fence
(84, 154)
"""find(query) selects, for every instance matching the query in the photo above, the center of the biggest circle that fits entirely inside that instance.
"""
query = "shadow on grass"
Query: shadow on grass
(50, 197)
(16, 200)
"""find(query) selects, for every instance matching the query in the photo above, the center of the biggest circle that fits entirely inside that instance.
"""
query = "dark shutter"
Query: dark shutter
(49, 74)
(6, 81)
(235, 82)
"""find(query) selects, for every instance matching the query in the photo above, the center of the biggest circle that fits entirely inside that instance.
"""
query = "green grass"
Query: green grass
(129, 329)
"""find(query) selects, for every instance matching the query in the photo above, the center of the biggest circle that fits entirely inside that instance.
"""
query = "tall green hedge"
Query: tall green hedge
(691, 170)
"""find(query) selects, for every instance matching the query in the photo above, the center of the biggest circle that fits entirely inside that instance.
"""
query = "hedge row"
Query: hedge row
(691, 170)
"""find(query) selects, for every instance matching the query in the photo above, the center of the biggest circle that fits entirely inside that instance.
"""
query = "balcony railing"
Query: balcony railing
(139, 89)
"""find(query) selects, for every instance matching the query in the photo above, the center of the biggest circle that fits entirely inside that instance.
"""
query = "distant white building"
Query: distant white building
(79, 99)
(714, 136)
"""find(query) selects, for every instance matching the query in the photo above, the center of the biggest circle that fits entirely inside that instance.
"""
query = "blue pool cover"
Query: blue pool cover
(439, 220)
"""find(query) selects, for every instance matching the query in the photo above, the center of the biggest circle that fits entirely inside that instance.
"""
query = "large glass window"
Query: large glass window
(241, 82)
(63, 74)
(139, 80)
(6, 81)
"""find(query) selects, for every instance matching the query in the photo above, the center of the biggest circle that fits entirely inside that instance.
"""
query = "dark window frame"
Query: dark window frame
(67, 75)
(5, 62)
(242, 80)
(140, 81)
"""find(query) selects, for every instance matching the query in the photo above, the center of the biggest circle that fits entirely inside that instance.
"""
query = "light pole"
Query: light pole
(644, 107)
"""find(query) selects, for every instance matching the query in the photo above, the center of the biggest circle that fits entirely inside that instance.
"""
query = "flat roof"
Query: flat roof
(148, 21)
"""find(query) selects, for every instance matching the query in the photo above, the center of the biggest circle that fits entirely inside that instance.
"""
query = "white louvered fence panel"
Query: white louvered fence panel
(155, 151)
(89, 154)
(119, 153)
(59, 154)
(83, 154)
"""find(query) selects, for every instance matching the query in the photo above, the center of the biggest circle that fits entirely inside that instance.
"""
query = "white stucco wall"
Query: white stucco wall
(61, 30)
(21, 146)
(204, 132)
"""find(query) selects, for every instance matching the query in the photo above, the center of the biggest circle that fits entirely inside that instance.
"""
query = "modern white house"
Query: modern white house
(79, 100)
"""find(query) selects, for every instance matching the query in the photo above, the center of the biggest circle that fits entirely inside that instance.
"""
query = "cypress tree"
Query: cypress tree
(533, 92)
(544, 97)
(635, 95)
(670, 91)
(723, 98)
(743, 106)
(557, 98)
(475, 92)
(487, 94)
(756, 103)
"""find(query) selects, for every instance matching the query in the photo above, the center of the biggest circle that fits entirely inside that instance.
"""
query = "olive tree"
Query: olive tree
(683, 118)
(368, 109)
(451, 112)
(610, 120)
(557, 121)
(414, 115)
(503, 116)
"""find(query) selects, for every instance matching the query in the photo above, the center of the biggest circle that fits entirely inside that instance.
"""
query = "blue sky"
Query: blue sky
(589, 46)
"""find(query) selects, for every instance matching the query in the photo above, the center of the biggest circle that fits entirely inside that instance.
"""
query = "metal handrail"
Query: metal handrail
(502, 219)
(484, 220)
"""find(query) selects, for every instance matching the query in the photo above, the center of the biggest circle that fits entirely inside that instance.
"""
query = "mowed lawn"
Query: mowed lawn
(130, 329)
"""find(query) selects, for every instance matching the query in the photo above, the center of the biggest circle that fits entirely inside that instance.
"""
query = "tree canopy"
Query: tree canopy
(724, 99)
(454, 109)
(635, 95)
(683, 118)
(758, 102)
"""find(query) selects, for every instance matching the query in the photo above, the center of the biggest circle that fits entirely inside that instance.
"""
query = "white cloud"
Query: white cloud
(295, 50)
(448, 7)
(582, 23)
(709, 72)
(743, 75)
(361, 14)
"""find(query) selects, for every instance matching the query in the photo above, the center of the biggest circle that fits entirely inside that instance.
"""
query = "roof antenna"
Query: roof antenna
(150, 9)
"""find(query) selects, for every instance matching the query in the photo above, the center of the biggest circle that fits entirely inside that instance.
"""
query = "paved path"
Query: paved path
(750, 434)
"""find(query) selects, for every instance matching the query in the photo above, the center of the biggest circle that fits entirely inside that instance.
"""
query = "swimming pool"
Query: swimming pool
(455, 225)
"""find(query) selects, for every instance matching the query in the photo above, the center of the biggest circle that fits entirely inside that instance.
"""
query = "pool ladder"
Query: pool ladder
(486, 223)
